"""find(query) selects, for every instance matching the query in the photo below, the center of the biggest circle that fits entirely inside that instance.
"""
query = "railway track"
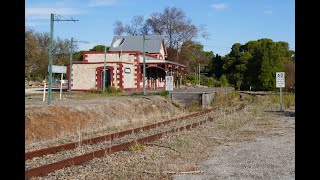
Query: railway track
(109, 143)
(109, 137)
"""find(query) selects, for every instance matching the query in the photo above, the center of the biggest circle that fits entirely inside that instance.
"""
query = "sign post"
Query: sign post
(57, 69)
(280, 83)
(169, 87)
(61, 84)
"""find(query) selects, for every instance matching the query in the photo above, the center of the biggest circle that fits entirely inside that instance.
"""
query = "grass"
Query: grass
(288, 99)
(160, 93)
(137, 147)
(193, 107)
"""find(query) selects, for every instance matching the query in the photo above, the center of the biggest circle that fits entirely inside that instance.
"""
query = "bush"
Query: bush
(223, 80)
(207, 81)
(94, 91)
(163, 93)
(191, 78)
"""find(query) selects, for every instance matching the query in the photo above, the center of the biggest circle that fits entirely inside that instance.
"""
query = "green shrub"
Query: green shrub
(223, 80)
(94, 91)
(208, 81)
(288, 100)
(163, 93)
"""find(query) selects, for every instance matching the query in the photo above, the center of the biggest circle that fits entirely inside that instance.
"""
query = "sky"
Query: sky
(227, 21)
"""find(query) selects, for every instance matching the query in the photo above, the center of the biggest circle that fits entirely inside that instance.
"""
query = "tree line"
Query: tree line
(254, 64)
(37, 54)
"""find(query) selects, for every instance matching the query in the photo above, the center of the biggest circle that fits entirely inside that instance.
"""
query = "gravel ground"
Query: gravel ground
(269, 156)
(252, 144)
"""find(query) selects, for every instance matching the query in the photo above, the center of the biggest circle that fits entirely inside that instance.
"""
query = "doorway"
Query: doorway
(107, 81)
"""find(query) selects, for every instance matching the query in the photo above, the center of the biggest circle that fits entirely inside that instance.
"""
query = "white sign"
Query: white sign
(280, 82)
(58, 69)
(127, 70)
(64, 81)
(169, 83)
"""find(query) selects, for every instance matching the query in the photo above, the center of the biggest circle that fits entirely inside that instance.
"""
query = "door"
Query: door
(107, 81)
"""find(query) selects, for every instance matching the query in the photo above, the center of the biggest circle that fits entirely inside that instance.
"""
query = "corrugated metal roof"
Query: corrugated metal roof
(135, 43)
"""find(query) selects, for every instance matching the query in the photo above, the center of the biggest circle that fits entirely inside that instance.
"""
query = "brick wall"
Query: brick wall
(84, 76)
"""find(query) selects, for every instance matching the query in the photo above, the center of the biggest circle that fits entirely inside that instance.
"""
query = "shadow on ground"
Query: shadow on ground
(285, 113)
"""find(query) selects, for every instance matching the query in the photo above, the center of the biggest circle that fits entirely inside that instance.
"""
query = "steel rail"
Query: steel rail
(109, 137)
(46, 169)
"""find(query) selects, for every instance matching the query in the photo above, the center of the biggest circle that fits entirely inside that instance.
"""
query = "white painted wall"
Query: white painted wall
(128, 78)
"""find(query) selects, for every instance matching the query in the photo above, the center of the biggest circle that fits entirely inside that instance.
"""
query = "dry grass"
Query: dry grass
(47, 123)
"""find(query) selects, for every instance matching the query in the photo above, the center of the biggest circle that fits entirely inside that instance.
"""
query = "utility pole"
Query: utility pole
(104, 70)
(52, 19)
(199, 74)
(70, 71)
(144, 66)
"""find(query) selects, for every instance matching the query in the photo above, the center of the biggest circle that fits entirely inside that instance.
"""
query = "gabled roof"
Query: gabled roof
(153, 43)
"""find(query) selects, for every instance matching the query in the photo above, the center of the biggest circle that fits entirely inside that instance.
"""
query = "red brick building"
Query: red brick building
(124, 65)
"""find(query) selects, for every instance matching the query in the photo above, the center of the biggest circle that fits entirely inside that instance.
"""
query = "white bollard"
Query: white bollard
(61, 84)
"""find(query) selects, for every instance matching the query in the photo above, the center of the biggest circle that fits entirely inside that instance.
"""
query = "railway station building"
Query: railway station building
(124, 65)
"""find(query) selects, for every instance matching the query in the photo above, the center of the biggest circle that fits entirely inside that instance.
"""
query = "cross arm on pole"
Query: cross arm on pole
(60, 18)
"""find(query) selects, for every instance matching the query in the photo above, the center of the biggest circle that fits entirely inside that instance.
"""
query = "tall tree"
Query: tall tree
(37, 53)
(192, 54)
(137, 26)
(172, 23)
(289, 69)
(216, 67)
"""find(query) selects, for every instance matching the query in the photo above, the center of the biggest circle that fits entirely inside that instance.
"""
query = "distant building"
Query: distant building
(124, 65)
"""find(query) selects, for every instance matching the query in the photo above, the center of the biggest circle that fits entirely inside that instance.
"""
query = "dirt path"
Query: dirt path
(271, 155)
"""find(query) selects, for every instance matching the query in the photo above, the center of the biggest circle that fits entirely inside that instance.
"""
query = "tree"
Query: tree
(118, 28)
(100, 48)
(192, 54)
(216, 67)
(31, 51)
(37, 53)
(289, 69)
(172, 23)
(254, 64)
(137, 26)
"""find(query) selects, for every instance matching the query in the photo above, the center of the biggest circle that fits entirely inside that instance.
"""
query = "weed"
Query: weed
(94, 91)
(136, 147)
(175, 103)
(193, 107)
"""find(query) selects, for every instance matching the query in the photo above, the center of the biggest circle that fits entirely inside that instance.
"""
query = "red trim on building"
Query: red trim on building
(84, 54)
(137, 71)
(100, 62)
(98, 77)
(120, 79)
